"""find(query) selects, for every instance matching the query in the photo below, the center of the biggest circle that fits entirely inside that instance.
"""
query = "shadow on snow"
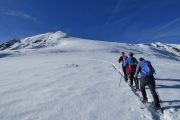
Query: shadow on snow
(2, 55)
(168, 79)
(172, 104)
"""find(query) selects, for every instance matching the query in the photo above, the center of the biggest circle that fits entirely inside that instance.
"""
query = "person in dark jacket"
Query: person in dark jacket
(130, 65)
(147, 71)
(122, 60)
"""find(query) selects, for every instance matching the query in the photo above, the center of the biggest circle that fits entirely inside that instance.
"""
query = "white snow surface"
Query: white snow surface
(173, 48)
(74, 79)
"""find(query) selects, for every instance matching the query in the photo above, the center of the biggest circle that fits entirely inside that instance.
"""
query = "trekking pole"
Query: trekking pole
(139, 92)
(118, 70)
(120, 78)
(137, 83)
(140, 98)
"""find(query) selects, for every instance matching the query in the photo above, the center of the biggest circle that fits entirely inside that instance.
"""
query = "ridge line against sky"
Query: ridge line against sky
(129, 21)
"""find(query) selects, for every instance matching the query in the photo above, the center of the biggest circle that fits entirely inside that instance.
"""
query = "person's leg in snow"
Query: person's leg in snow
(142, 89)
(150, 81)
(129, 79)
(125, 74)
(153, 92)
(136, 81)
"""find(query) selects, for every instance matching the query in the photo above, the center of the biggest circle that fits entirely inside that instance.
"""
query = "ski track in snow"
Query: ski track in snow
(154, 115)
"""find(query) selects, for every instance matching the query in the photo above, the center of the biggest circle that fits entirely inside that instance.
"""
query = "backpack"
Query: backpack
(124, 58)
(147, 68)
(132, 65)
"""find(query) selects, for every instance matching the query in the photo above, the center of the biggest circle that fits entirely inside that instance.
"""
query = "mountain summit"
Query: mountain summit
(62, 41)
(38, 41)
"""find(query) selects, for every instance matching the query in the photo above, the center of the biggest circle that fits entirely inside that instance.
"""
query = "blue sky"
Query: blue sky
(130, 21)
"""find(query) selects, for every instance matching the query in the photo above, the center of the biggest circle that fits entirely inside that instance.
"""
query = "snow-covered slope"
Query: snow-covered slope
(74, 79)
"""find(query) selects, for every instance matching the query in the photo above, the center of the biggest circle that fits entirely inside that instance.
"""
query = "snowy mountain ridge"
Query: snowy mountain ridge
(61, 40)
(39, 41)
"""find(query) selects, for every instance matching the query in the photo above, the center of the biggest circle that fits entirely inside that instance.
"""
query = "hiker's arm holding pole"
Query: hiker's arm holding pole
(120, 59)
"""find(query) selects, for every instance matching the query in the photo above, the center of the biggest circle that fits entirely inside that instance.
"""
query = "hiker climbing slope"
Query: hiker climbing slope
(130, 65)
(146, 71)
(122, 60)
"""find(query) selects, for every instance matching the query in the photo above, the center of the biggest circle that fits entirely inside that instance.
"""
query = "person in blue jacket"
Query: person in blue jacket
(147, 72)
(130, 65)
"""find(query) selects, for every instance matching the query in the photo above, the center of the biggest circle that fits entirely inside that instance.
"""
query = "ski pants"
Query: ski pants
(124, 71)
(150, 81)
(131, 77)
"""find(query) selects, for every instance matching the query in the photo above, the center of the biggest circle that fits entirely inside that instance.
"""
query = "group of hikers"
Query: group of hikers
(143, 71)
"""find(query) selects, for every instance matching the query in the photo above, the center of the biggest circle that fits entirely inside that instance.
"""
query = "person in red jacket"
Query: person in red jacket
(122, 60)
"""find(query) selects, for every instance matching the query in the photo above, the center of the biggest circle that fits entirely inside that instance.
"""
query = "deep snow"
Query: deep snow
(74, 79)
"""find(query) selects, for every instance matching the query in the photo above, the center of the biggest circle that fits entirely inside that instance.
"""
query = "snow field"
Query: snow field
(75, 80)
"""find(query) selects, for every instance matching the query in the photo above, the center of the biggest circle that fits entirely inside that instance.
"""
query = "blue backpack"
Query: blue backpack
(147, 68)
